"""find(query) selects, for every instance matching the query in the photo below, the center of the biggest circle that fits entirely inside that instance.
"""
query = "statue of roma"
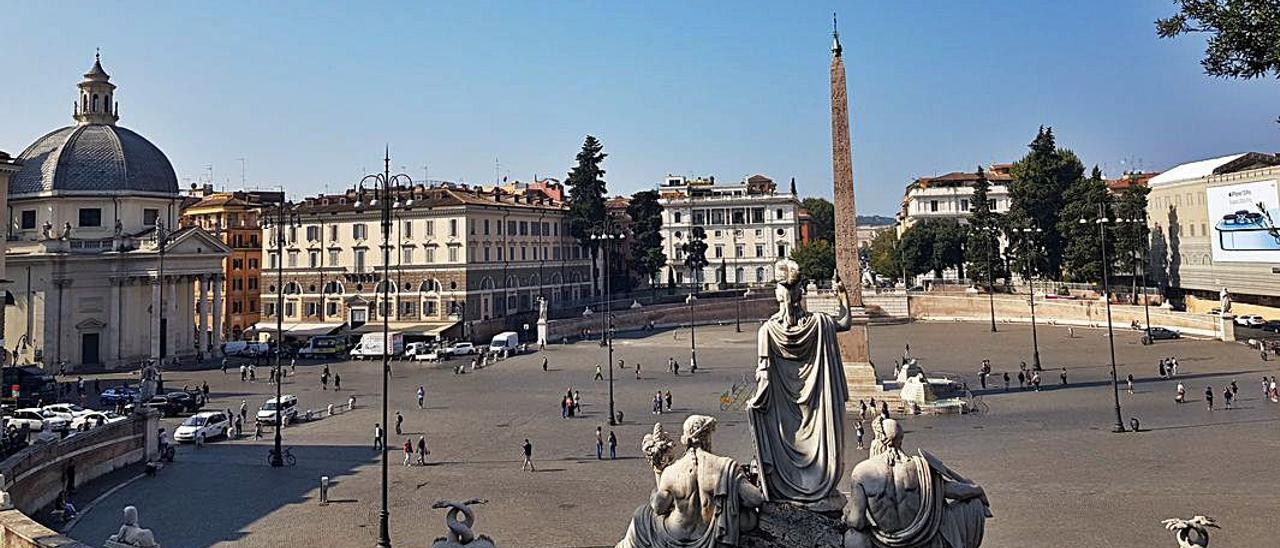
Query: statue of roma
(901, 501)
(797, 412)
(702, 500)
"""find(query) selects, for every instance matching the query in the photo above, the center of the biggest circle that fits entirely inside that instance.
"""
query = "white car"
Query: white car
(288, 410)
(462, 349)
(69, 411)
(94, 419)
(36, 419)
(204, 426)
(1250, 320)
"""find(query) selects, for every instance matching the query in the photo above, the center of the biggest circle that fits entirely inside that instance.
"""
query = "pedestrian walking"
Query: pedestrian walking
(324, 380)
(271, 377)
(239, 426)
(1063, 376)
(564, 407)
(671, 364)
(1022, 380)
(257, 429)
(1129, 380)
(527, 449)
(668, 396)
(422, 395)
(1163, 368)
(204, 389)
(599, 373)
(1235, 389)
(244, 372)
(862, 410)
(351, 402)
(1035, 381)
(637, 370)
(253, 373)
(544, 363)
(224, 366)
(422, 450)
(858, 432)
(408, 452)
(337, 382)
(1181, 394)
(1208, 397)
(244, 410)
(613, 446)
(293, 364)
(577, 402)
(599, 444)
(1226, 397)
(399, 423)
(1006, 381)
(377, 438)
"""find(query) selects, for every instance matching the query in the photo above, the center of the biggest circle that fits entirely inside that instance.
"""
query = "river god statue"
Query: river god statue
(901, 501)
(702, 500)
(797, 412)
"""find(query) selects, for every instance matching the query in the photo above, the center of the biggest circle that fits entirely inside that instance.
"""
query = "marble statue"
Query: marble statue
(46, 230)
(119, 228)
(542, 309)
(460, 533)
(879, 441)
(1224, 298)
(659, 450)
(903, 501)
(6, 501)
(1191, 533)
(132, 534)
(797, 412)
(66, 230)
(702, 500)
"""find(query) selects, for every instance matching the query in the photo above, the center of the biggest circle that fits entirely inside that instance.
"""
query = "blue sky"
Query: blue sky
(309, 92)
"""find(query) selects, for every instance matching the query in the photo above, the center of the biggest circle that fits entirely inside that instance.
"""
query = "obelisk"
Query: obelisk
(855, 351)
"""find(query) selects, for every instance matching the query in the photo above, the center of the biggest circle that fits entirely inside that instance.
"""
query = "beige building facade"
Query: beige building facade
(748, 225)
(458, 256)
(1208, 232)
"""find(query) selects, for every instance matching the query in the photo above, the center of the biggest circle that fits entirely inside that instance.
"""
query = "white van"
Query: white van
(508, 341)
(245, 348)
(288, 409)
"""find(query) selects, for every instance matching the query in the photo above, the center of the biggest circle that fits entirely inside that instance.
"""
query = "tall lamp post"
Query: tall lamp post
(737, 317)
(606, 235)
(991, 232)
(385, 180)
(284, 219)
(1030, 234)
(693, 341)
(1102, 222)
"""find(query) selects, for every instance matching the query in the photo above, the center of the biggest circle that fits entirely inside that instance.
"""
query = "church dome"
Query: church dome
(93, 158)
(94, 155)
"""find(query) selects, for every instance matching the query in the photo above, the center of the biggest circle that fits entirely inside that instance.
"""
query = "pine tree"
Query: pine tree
(1038, 194)
(1089, 200)
(817, 260)
(586, 199)
(647, 256)
(695, 254)
(982, 245)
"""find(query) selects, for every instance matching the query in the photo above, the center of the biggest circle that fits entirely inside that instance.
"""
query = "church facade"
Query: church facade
(99, 276)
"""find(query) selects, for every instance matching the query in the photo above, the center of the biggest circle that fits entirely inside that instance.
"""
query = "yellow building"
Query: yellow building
(233, 217)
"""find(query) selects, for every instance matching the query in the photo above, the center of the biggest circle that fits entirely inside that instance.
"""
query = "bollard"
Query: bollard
(329, 411)
(324, 490)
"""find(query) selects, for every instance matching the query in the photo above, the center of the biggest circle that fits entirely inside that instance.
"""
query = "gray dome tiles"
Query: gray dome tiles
(93, 158)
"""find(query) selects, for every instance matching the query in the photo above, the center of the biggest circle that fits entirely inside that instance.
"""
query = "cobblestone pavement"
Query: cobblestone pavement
(1048, 460)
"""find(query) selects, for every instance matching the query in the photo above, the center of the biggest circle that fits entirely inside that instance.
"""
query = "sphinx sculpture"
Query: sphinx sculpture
(460, 533)
(1191, 533)
(132, 534)
(903, 501)
(702, 500)
(797, 412)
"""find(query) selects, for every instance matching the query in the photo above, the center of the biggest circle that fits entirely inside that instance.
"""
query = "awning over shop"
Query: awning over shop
(299, 329)
(427, 329)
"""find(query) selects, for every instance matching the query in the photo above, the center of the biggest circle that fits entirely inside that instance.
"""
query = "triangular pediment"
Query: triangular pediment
(91, 324)
(196, 240)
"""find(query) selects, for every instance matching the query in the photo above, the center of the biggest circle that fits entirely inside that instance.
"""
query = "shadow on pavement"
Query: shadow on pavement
(209, 495)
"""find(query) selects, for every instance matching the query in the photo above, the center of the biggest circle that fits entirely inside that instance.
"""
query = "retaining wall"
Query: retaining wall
(19, 531)
(723, 311)
(1067, 312)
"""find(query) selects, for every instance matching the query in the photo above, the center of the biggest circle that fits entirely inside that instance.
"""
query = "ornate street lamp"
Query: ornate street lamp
(693, 340)
(737, 320)
(284, 220)
(607, 234)
(991, 233)
(383, 183)
(1029, 234)
(1102, 221)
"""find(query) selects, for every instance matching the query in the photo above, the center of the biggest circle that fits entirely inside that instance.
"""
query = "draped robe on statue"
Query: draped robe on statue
(798, 418)
(723, 513)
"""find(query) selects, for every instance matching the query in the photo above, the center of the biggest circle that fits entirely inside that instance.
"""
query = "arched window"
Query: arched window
(739, 275)
(95, 102)
(759, 274)
(378, 288)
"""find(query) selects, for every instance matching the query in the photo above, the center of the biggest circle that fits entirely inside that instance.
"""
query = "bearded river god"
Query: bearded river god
(797, 412)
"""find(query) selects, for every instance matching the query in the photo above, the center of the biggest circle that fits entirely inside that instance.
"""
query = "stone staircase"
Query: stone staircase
(863, 385)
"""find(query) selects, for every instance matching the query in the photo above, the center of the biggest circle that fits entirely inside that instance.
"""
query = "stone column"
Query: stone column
(114, 325)
(854, 347)
(217, 314)
(156, 305)
(202, 310)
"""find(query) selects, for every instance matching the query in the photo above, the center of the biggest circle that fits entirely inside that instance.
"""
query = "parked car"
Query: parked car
(117, 395)
(1250, 320)
(35, 419)
(176, 403)
(288, 409)
(69, 411)
(206, 425)
(1271, 325)
(462, 349)
(94, 419)
(162, 404)
(415, 349)
(1160, 334)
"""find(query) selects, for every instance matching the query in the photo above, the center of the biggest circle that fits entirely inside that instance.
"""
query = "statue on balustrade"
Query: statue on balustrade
(797, 412)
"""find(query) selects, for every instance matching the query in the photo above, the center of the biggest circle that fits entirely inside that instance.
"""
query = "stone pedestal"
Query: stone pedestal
(543, 332)
(855, 356)
(783, 525)
(1227, 327)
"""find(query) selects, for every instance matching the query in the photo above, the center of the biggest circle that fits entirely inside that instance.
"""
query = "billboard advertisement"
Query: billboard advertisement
(1246, 222)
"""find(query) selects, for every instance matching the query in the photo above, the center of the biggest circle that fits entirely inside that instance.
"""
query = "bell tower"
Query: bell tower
(97, 97)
